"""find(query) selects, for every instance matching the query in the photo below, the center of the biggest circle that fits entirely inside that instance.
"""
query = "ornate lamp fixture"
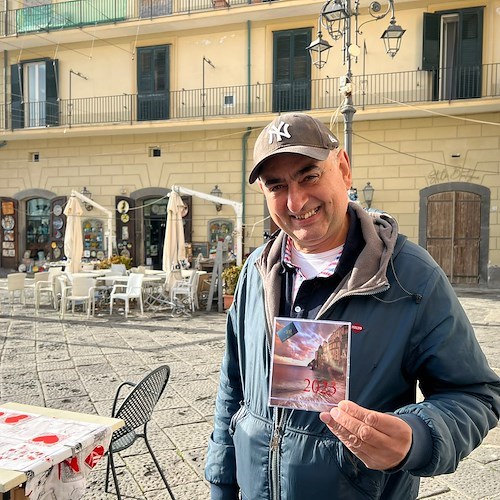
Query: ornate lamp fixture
(88, 194)
(217, 192)
(341, 21)
(317, 48)
(392, 37)
(335, 17)
(368, 191)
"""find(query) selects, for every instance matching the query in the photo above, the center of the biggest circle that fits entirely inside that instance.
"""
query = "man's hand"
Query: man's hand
(379, 440)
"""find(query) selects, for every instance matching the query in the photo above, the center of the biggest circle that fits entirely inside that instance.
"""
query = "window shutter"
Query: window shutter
(16, 96)
(471, 37)
(153, 83)
(430, 50)
(291, 70)
(52, 94)
(470, 54)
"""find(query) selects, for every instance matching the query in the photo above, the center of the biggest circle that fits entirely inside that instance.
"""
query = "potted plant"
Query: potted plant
(115, 259)
(230, 277)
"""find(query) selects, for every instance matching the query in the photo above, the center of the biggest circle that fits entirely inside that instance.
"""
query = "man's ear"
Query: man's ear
(345, 167)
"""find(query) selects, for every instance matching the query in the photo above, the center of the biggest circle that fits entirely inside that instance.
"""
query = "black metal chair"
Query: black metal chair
(136, 411)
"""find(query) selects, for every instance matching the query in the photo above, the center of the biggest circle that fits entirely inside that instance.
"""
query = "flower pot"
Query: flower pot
(228, 300)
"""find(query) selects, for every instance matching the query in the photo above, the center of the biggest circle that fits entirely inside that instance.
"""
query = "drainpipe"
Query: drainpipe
(249, 66)
(5, 82)
(244, 144)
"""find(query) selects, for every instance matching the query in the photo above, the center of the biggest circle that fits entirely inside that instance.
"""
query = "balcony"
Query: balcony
(372, 91)
(80, 13)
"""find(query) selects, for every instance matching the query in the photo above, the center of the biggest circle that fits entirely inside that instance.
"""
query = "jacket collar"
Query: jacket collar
(367, 274)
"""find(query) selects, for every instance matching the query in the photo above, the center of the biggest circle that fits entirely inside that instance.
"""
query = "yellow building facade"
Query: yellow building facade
(127, 98)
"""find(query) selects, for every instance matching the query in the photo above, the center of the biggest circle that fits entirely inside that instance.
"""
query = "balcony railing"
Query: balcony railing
(377, 90)
(79, 13)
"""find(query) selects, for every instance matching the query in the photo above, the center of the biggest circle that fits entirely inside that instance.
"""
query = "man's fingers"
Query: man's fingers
(379, 440)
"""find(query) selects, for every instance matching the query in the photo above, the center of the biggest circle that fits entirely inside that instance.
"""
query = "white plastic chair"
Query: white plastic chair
(41, 284)
(16, 283)
(37, 277)
(131, 290)
(118, 270)
(54, 285)
(188, 289)
(115, 270)
(81, 290)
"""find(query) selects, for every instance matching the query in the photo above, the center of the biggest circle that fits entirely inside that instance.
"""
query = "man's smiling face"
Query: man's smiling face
(307, 198)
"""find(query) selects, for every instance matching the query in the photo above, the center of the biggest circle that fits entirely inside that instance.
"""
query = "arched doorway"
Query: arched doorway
(454, 228)
(140, 224)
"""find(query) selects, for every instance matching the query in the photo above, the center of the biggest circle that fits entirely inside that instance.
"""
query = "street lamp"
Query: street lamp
(336, 17)
(368, 191)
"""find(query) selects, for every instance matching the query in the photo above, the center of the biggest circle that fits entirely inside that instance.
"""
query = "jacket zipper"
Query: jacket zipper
(274, 447)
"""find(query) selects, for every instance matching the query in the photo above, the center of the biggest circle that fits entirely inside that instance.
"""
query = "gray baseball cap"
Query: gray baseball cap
(292, 133)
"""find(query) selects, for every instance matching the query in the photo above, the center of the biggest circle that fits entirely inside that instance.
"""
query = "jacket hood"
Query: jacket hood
(369, 275)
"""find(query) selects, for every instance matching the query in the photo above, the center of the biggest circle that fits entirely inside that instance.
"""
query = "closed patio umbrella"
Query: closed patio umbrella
(73, 238)
(173, 248)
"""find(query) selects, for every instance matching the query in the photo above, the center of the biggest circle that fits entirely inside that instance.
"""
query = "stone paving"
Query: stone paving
(77, 364)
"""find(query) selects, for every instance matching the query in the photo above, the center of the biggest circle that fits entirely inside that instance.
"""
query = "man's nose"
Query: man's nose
(297, 198)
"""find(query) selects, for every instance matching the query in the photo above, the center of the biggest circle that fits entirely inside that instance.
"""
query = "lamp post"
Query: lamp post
(77, 73)
(203, 96)
(336, 17)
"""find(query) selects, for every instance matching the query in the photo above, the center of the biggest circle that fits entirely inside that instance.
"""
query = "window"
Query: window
(292, 70)
(34, 94)
(153, 83)
(154, 152)
(38, 227)
(452, 51)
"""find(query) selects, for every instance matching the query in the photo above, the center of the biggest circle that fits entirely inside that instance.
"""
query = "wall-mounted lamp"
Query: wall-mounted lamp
(368, 191)
(88, 194)
(352, 193)
(217, 192)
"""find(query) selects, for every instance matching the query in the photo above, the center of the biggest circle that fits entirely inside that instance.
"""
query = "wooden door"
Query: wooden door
(454, 234)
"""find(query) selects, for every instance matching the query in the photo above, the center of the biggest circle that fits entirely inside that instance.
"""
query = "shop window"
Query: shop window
(220, 230)
(37, 227)
(93, 239)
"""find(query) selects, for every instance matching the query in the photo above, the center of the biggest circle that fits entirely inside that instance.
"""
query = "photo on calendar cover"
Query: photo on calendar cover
(309, 364)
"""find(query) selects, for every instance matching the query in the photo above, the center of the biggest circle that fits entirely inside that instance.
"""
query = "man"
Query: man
(334, 261)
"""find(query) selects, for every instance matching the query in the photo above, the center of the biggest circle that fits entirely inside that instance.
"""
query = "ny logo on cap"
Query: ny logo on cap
(279, 131)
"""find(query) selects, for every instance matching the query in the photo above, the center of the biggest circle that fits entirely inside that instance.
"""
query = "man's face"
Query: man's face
(307, 198)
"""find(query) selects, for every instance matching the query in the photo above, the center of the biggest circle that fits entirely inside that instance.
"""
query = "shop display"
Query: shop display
(93, 238)
(122, 207)
(8, 222)
(57, 223)
(220, 230)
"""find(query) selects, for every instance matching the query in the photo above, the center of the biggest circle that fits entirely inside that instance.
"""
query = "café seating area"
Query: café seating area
(103, 292)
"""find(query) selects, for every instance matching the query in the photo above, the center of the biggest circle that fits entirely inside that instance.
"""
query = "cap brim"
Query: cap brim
(309, 151)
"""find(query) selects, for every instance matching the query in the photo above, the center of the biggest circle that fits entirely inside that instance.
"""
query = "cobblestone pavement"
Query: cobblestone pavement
(77, 364)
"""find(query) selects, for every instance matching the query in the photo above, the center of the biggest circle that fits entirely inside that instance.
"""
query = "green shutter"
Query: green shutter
(470, 55)
(16, 96)
(52, 92)
(153, 83)
(291, 70)
(430, 51)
